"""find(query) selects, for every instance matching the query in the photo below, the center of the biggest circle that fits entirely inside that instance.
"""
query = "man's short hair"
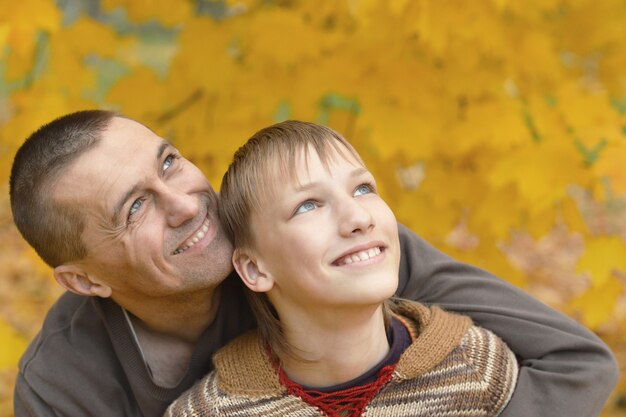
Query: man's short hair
(272, 152)
(53, 229)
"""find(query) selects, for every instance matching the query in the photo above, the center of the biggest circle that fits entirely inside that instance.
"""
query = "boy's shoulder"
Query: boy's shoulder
(452, 359)
(244, 367)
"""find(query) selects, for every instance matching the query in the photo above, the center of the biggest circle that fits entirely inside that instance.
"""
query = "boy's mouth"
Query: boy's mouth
(195, 238)
(359, 256)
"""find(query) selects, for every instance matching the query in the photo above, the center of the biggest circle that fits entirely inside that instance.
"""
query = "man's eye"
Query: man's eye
(363, 189)
(306, 207)
(135, 206)
(168, 161)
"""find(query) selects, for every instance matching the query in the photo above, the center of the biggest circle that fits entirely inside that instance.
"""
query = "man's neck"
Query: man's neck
(167, 332)
(337, 351)
(183, 317)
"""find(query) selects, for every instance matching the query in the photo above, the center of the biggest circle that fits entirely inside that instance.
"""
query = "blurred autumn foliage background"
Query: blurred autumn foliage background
(496, 128)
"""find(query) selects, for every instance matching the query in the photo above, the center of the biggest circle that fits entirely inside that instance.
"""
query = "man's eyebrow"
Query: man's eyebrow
(120, 203)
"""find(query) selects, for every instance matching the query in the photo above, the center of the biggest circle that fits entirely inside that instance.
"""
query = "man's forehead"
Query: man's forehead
(121, 129)
(125, 153)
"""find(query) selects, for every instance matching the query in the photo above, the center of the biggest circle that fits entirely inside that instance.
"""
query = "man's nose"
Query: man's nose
(179, 206)
(354, 217)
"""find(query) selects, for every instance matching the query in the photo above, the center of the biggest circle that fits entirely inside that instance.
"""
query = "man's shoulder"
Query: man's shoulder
(71, 328)
(70, 362)
(64, 310)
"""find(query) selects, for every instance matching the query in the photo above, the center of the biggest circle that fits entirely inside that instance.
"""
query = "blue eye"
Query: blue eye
(306, 207)
(168, 161)
(363, 189)
(135, 206)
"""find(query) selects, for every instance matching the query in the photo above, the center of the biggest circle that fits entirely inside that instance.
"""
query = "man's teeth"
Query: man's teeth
(195, 238)
(363, 255)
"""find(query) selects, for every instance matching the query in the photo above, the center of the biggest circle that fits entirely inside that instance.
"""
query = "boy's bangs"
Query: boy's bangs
(287, 159)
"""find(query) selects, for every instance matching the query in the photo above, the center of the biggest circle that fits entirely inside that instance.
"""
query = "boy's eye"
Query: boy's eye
(306, 206)
(363, 189)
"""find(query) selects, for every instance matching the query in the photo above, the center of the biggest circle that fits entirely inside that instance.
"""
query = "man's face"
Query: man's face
(152, 226)
(328, 240)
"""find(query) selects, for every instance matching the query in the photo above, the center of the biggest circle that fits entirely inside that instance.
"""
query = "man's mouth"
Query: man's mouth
(359, 256)
(195, 238)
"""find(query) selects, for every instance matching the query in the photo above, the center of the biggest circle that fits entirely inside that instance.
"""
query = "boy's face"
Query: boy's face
(326, 238)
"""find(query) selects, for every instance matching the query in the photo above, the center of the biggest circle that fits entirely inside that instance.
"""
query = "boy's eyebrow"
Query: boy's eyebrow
(357, 172)
(120, 203)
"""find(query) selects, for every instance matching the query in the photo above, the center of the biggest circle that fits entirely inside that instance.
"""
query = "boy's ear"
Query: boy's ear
(74, 279)
(250, 271)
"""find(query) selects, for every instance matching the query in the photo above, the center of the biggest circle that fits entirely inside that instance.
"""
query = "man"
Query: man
(132, 232)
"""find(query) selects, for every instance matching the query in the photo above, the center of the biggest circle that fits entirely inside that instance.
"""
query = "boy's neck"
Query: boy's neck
(337, 350)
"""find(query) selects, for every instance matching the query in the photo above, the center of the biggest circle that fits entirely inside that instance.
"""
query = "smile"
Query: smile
(200, 233)
(359, 256)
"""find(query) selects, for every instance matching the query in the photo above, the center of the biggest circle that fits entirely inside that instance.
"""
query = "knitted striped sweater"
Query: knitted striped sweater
(452, 368)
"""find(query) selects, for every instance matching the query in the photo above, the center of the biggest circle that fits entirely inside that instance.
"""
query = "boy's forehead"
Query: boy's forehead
(282, 175)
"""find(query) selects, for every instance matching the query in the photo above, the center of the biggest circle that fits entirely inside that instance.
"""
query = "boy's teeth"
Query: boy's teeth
(363, 255)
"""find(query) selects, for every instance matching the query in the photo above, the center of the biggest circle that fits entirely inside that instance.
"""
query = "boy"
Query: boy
(319, 250)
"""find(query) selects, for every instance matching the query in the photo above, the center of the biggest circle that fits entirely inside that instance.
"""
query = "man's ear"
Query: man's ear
(74, 279)
(251, 272)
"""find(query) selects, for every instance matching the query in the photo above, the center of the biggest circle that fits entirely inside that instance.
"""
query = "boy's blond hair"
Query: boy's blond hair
(271, 153)
(270, 156)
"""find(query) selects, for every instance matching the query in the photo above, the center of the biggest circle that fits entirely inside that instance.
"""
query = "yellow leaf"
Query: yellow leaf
(497, 124)
(397, 6)
(500, 4)
(4, 35)
(596, 305)
(392, 132)
(167, 12)
(214, 68)
(572, 217)
(452, 184)
(610, 165)
(416, 211)
(496, 214)
(533, 170)
(26, 18)
(263, 40)
(32, 109)
(540, 48)
(87, 36)
(142, 95)
(12, 344)
(487, 256)
(18, 65)
(602, 256)
(587, 112)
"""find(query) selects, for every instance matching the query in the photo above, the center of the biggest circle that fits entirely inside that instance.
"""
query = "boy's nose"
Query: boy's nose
(355, 218)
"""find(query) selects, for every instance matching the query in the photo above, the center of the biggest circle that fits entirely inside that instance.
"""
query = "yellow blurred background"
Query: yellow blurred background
(496, 128)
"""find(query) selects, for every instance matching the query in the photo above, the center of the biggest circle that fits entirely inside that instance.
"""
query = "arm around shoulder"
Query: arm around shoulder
(566, 370)
(27, 403)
